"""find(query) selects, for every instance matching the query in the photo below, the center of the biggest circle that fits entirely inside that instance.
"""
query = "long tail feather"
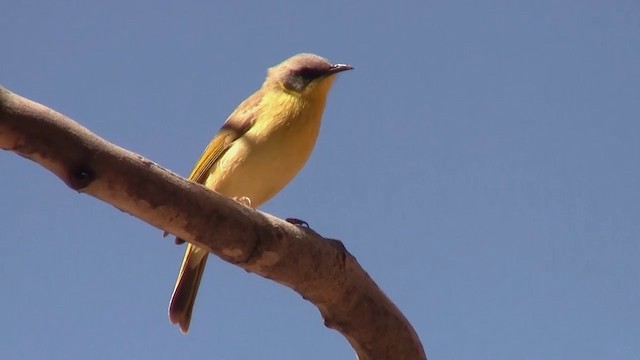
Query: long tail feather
(186, 288)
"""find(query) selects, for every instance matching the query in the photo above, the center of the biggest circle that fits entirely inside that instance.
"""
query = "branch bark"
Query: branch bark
(319, 269)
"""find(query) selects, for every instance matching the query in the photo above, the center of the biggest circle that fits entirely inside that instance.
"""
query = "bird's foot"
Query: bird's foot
(178, 241)
(297, 222)
(244, 200)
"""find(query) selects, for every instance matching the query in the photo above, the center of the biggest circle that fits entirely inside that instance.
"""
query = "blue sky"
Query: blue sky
(481, 162)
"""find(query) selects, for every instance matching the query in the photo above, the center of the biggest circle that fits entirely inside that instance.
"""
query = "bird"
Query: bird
(258, 150)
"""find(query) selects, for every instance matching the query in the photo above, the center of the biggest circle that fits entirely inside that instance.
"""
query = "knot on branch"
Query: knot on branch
(80, 176)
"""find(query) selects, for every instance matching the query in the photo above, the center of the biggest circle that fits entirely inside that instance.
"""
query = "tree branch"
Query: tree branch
(320, 270)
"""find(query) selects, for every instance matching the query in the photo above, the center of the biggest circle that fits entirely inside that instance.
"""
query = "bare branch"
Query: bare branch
(319, 269)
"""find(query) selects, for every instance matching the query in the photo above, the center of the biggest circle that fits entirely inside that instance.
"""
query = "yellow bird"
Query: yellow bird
(259, 149)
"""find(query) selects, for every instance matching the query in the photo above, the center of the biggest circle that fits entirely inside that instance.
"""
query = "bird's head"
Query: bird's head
(305, 74)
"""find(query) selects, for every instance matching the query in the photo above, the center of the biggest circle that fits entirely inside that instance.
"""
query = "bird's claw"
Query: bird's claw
(244, 200)
(297, 222)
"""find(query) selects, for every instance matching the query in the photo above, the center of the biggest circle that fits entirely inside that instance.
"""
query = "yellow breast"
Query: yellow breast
(265, 158)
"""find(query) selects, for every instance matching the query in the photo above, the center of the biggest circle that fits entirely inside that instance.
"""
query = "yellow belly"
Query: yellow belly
(264, 159)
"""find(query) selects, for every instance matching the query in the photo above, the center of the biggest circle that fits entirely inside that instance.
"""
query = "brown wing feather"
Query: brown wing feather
(237, 124)
(211, 154)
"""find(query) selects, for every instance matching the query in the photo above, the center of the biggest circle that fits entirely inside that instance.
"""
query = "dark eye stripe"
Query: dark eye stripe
(310, 74)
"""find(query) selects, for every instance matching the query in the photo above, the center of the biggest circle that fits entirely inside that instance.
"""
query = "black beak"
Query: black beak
(336, 68)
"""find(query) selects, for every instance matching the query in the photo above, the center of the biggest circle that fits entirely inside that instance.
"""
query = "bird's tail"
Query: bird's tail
(186, 289)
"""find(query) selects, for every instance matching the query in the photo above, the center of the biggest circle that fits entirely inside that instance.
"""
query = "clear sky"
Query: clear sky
(481, 162)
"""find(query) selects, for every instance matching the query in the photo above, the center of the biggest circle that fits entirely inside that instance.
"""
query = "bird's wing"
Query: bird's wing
(238, 123)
